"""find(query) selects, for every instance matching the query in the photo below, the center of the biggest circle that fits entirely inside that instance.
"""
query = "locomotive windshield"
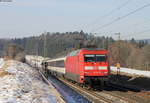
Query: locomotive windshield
(89, 58)
(94, 58)
(100, 58)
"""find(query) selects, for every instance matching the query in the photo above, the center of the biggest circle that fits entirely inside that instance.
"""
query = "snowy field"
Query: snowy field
(19, 83)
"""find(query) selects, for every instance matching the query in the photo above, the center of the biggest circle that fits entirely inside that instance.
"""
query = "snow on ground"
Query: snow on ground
(19, 83)
(132, 71)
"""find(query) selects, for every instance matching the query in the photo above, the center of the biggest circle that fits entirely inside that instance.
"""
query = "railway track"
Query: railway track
(100, 96)
(104, 96)
(93, 97)
(68, 94)
(131, 96)
(133, 93)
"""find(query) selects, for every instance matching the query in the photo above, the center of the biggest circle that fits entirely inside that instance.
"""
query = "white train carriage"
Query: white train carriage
(56, 66)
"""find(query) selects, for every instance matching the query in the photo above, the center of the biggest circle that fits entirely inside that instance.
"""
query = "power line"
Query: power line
(143, 31)
(122, 17)
(137, 33)
(109, 13)
(141, 23)
(140, 32)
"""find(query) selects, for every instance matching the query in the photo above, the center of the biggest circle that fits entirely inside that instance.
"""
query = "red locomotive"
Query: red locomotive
(84, 66)
(87, 65)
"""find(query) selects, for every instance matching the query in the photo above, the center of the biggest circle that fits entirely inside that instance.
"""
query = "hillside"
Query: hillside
(131, 54)
(146, 40)
(57, 43)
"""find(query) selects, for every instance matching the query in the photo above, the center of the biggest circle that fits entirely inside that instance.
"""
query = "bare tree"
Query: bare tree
(15, 52)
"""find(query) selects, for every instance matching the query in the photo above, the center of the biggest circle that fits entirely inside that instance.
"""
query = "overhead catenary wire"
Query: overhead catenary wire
(132, 35)
(109, 13)
(141, 23)
(122, 17)
(143, 31)
(140, 32)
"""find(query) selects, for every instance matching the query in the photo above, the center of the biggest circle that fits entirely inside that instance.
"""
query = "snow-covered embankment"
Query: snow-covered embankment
(19, 83)
(132, 71)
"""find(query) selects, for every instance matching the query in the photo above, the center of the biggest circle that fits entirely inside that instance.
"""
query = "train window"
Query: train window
(100, 58)
(94, 58)
(89, 58)
(56, 63)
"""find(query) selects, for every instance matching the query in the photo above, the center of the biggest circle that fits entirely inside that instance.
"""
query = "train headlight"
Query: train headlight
(88, 68)
(102, 67)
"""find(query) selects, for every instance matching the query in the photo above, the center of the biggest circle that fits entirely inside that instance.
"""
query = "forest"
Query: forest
(130, 53)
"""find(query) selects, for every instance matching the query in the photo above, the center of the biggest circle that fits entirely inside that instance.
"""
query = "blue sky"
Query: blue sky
(23, 18)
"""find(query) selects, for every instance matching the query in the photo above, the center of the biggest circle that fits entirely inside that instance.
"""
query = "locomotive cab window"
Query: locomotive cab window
(89, 58)
(100, 58)
(94, 58)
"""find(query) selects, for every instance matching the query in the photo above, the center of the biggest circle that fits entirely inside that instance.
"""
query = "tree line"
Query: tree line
(134, 54)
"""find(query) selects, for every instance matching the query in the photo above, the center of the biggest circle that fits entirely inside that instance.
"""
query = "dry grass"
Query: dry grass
(2, 70)
(3, 73)
(15, 52)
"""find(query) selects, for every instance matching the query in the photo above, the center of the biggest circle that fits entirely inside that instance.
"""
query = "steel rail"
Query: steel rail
(89, 94)
(96, 97)
(131, 94)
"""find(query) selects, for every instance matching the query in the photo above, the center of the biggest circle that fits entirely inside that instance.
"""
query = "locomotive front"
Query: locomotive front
(88, 66)
(96, 66)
